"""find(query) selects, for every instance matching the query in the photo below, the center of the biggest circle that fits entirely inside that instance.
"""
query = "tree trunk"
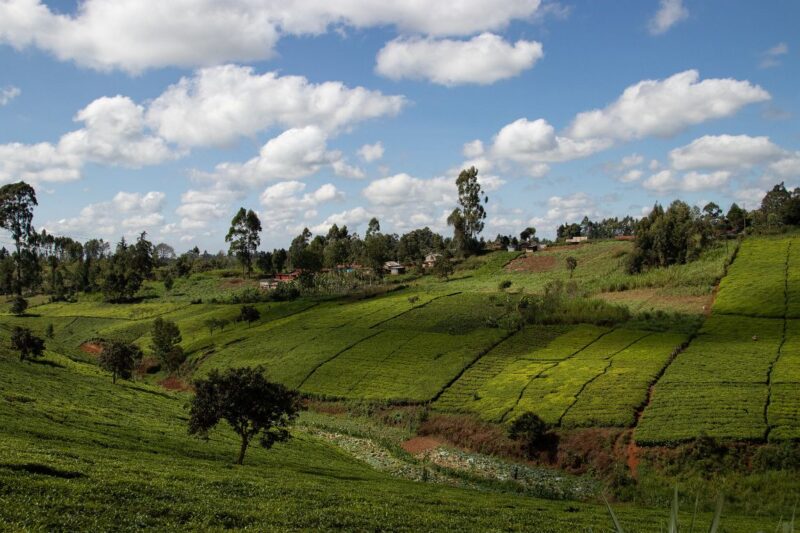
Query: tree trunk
(242, 450)
(19, 267)
(114, 378)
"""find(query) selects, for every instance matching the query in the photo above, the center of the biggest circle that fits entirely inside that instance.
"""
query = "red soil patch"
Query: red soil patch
(174, 383)
(93, 348)
(532, 263)
(632, 458)
(419, 445)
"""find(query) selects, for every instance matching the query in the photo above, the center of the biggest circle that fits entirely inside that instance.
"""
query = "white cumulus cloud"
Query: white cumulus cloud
(482, 60)
(666, 107)
(135, 35)
(724, 151)
(371, 152)
(218, 105)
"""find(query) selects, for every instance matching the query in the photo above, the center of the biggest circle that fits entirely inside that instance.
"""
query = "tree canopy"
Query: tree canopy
(244, 238)
(251, 405)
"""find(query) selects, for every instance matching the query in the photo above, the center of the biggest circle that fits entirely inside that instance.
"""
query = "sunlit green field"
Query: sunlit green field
(79, 453)
(738, 379)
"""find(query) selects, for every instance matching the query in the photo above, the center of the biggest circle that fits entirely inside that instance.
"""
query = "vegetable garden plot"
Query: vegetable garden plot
(683, 411)
(756, 280)
(612, 399)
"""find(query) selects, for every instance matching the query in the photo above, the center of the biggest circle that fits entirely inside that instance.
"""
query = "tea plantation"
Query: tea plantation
(117, 457)
(739, 378)
(105, 456)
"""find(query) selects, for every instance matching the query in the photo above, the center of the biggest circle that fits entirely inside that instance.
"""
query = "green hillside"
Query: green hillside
(81, 453)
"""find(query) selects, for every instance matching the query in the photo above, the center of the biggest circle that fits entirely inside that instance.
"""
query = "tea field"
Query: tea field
(79, 453)
(739, 377)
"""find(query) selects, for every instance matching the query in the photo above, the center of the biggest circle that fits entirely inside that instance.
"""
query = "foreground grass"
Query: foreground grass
(79, 453)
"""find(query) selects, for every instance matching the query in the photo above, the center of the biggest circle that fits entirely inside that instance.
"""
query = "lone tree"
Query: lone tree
(443, 266)
(18, 305)
(120, 359)
(248, 314)
(26, 343)
(528, 234)
(250, 404)
(244, 238)
(467, 220)
(532, 431)
(17, 201)
(166, 337)
(572, 264)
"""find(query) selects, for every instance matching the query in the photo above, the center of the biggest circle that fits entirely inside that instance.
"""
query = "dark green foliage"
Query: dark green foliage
(26, 343)
(169, 281)
(18, 305)
(50, 331)
(142, 255)
(121, 280)
(779, 207)
(572, 264)
(119, 358)
(665, 238)
(251, 405)
(467, 220)
(248, 314)
(416, 244)
(737, 218)
(17, 201)
(443, 267)
(166, 337)
(244, 238)
(506, 283)
(532, 431)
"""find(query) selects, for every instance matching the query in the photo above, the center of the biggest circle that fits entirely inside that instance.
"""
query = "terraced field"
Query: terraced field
(586, 376)
(739, 377)
(117, 457)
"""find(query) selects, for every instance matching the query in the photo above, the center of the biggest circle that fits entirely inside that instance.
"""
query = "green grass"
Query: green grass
(82, 454)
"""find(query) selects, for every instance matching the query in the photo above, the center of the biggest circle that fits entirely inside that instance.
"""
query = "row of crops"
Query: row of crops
(756, 282)
(586, 376)
(740, 377)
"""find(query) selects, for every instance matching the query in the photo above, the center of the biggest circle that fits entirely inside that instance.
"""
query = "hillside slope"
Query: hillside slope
(81, 453)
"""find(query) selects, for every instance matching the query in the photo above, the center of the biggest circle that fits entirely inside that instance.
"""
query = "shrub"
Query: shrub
(506, 283)
(19, 305)
(532, 431)
(26, 343)
(248, 314)
(120, 359)
(166, 337)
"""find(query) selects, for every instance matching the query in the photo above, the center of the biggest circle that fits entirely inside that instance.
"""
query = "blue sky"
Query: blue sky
(130, 114)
